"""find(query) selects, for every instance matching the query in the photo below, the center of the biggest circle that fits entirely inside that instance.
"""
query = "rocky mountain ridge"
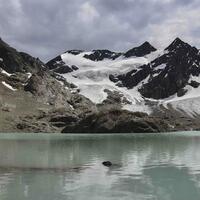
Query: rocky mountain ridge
(168, 74)
(29, 91)
(99, 55)
(141, 90)
(146, 74)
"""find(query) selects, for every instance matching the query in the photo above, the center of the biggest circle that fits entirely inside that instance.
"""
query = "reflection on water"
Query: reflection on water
(152, 167)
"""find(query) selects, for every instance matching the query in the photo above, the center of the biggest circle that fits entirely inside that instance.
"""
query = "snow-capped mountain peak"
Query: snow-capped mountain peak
(178, 44)
(141, 73)
(144, 49)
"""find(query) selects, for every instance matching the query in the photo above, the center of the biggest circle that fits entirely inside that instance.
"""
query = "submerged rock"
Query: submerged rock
(107, 163)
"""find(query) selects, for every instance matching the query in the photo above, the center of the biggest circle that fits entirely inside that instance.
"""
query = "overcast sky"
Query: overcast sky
(45, 28)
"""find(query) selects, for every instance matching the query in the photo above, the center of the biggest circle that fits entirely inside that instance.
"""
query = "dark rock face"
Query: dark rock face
(58, 66)
(178, 44)
(14, 61)
(64, 118)
(140, 51)
(74, 67)
(194, 84)
(99, 55)
(74, 52)
(181, 92)
(116, 121)
(114, 98)
(167, 74)
(33, 64)
(181, 62)
(54, 63)
(63, 69)
(134, 77)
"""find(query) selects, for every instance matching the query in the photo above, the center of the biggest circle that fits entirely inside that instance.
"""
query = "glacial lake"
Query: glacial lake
(69, 167)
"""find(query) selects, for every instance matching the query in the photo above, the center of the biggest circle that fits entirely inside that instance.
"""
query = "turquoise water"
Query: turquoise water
(68, 167)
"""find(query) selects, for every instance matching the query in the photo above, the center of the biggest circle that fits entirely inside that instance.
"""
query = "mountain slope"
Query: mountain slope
(14, 61)
(31, 96)
(91, 92)
(137, 77)
(35, 99)
(168, 74)
(92, 72)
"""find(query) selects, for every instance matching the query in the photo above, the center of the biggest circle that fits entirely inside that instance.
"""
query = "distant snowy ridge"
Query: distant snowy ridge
(92, 77)
(142, 74)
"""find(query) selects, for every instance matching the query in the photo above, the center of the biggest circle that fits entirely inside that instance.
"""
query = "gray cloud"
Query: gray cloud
(45, 28)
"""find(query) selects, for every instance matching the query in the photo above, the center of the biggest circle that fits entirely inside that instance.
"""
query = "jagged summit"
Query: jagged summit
(175, 71)
(101, 54)
(178, 44)
(146, 44)
(74, 51)
(140, 51)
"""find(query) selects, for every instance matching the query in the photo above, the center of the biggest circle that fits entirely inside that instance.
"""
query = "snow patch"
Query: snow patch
(139, 108)
(72, 107)
(189, 106)
(8, 86)
(29, 75)
(191, 93)
(160, 67)
(4, 72)
(152, 56)
(194, 78)
(188, 103)
(60, 82)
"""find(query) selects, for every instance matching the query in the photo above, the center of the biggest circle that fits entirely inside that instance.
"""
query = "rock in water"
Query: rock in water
(107, 163)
